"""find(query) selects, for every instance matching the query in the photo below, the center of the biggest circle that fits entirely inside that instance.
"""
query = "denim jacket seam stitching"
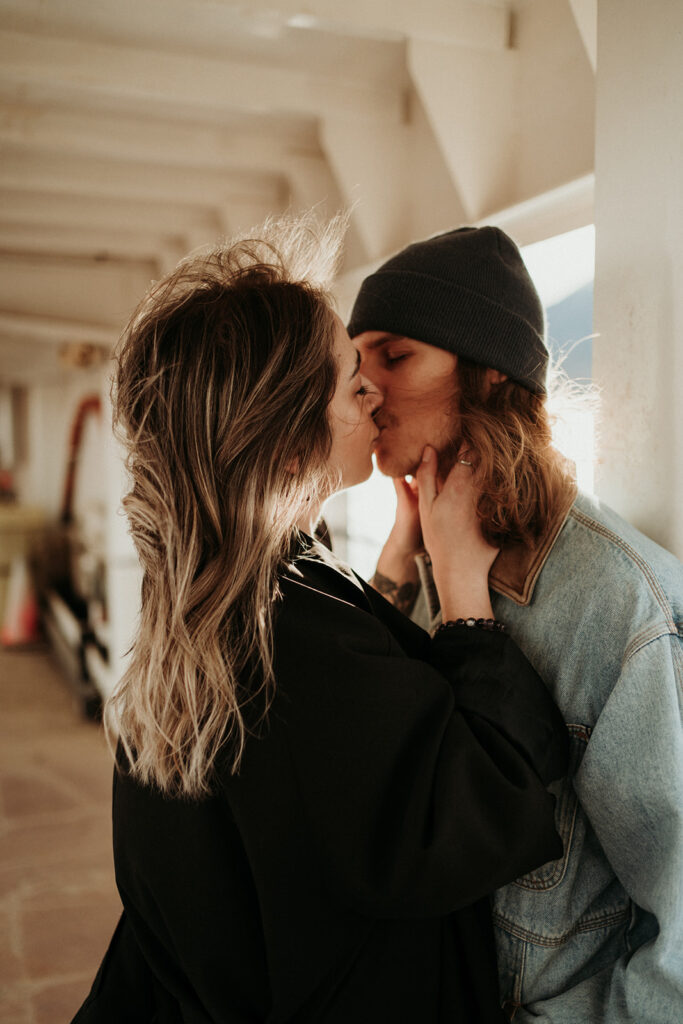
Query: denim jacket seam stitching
(646, 636)
(677, 660)
(604, 531)
(553, 885)
(592, 924)
(627, 934)
(642, 640)
(519, 982)
(583, 732)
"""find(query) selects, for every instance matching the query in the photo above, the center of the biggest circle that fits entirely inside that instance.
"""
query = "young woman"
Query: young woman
(312, 796)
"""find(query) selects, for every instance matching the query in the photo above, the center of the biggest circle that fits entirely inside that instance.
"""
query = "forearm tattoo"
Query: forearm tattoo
(402, 596)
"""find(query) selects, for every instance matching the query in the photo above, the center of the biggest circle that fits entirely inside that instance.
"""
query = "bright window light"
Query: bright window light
(371, 509)
(563, 268)
(574, 436)
(561, 265)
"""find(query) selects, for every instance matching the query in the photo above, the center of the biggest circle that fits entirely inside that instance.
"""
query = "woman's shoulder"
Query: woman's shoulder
(323, 594)
(316, 574)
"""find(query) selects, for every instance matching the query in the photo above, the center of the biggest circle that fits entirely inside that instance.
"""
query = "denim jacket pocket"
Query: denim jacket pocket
(566, 803)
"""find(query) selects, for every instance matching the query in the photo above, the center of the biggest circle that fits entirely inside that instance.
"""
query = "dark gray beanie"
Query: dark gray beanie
(466, 291)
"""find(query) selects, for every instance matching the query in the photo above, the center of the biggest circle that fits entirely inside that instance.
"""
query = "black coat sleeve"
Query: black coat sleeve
(396, 778)
(419, 785)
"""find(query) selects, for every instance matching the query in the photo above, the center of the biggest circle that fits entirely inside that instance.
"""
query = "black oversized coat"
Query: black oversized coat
(341, 876)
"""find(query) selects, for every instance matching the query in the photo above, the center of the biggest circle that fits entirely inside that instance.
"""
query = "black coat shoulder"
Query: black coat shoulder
(397, 781)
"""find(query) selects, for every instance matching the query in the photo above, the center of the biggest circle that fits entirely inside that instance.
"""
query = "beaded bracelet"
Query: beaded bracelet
(493, 625)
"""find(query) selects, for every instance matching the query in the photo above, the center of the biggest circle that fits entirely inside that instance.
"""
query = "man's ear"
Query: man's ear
(495, 376)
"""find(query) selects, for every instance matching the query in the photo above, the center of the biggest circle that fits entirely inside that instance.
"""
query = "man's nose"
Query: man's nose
(376, 397)
(368, 363)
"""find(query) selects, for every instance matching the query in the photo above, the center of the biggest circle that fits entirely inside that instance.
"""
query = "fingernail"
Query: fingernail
(426, 454)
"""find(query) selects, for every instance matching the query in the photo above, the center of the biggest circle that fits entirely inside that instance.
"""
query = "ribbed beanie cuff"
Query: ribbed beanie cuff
(466, 291)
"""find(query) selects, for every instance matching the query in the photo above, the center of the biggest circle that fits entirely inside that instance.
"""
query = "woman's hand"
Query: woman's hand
(461, 558)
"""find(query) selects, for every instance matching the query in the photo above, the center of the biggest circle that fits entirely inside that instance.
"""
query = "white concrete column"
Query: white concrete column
(638, 357)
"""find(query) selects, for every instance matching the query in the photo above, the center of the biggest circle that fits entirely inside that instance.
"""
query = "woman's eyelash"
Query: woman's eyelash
(363, 390)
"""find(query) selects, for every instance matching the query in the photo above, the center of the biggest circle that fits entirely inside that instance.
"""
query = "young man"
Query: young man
(452, 331)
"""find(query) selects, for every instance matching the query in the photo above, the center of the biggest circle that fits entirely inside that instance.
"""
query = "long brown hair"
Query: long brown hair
(223, 380)
(521, 474)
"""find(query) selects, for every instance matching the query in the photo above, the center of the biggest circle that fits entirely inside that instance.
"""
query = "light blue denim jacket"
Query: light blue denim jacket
(598, 935)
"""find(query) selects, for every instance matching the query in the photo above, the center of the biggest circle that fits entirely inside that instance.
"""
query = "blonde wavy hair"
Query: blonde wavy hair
(223, 380)
(520, 474)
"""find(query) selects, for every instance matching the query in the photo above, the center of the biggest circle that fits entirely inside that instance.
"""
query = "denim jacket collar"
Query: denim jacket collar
(517, 567)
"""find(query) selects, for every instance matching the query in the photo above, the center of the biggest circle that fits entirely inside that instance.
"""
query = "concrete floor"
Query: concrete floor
(58, 900)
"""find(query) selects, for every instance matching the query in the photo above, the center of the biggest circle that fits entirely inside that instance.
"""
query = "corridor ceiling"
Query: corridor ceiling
(133, 131)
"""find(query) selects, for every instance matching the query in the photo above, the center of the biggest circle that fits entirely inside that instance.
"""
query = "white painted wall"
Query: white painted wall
(555, 98)
(638, 358)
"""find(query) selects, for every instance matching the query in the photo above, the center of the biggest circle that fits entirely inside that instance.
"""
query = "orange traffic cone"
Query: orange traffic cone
(21, 625)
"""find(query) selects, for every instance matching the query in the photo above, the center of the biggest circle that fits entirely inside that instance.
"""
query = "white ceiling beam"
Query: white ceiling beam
(169, 257)
(478, 23)
(312, 183)
(51, 209)
(240, 218)
(176, 145)
(89, 243)
(371, 168)
(193, 240)
(555, 100)
(469, 98)
(430, 200)
(168, 20)
(586, 16)
(466, 23)
(71, 289)
(120, 229)
(146, 140)
(436, 204)
(96, 177)
(555, 212)
(24, 326)
(32, 65)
